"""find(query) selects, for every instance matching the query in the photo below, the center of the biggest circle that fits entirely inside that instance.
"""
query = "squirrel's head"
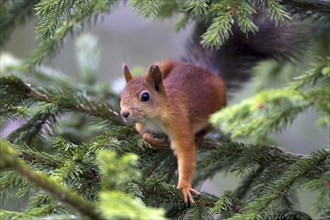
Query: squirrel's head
(142, 98)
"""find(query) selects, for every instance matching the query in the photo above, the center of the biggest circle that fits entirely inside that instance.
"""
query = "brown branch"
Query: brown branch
(113, 115)
(9, 158)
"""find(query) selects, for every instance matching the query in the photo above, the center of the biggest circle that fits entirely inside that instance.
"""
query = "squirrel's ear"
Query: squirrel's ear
(127, 74)
(155, 78)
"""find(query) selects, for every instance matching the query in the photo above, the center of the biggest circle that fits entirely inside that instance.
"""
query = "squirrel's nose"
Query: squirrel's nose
(125, 114)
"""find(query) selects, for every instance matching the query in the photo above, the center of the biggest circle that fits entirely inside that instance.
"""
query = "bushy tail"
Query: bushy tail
(235, 59)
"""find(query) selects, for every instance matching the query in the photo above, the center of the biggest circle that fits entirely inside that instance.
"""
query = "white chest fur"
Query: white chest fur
(154, 126)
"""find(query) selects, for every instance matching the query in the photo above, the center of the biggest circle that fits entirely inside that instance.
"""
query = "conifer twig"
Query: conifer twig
(156, 187)
(10, 158)
(66, 100)
(81, 107)
(296, 174)
(26, 156)
(211, 145)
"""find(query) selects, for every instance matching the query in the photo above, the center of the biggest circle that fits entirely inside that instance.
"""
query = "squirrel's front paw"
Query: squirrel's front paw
(187, 192)
(156, 141)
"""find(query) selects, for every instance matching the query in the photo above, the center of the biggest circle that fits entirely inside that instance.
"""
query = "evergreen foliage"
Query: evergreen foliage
(275, 109)
(72, 157)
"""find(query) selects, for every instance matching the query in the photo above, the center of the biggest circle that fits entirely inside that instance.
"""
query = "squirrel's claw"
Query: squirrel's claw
(187, 195)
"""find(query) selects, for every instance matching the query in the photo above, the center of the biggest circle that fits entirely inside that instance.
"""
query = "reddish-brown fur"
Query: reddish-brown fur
(182, 97)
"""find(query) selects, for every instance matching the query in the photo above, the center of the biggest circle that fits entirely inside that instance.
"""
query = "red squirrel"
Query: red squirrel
(177, 98)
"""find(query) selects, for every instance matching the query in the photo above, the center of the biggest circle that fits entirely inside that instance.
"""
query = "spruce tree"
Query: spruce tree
(74, 158)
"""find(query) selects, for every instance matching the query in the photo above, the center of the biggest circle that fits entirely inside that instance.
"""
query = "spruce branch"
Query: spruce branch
(321, 185)
(4, 215)
(32, 131)
(219, 31)
(274, 109)
(58, 18)
(197, 8)
(148, 8)
(318, 73)
(248, 182)
(157, 161)
(296, 174)
(267, 111)
(126, 171)
(243, 16)
(9, 159)
(167, 193)
(69, 100)
(42, 212)
(34, 157)
(241, 159)
(197, 212)
(81, 103)
(13, 182)
(228, 205)
(10, 112)
(290, 215)
(224, 14)
(277, 12)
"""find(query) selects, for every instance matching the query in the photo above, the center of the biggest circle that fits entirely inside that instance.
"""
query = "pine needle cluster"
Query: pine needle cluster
(72, 156)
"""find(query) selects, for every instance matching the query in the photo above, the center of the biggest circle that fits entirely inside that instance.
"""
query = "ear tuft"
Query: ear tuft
(155, 69)
(155, 78)
(127, 74)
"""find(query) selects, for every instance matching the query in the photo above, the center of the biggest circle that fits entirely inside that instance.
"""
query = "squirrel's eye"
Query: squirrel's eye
(145, 97)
